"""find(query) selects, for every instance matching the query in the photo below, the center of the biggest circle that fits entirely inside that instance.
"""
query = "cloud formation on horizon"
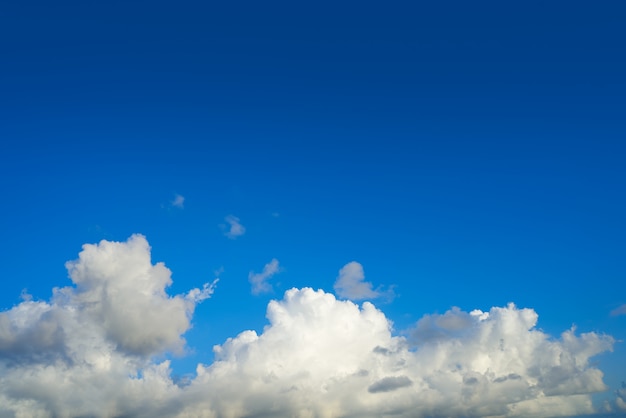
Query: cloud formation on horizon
(96, 349)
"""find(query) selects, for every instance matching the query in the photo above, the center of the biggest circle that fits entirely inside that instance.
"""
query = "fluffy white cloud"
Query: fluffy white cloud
(351, 284)
(88, 351)
(259, 280)
(118, 288)
(234, 228)
(324, 357)
(92, 350)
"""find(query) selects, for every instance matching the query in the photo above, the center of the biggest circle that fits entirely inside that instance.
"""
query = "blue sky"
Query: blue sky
(463, 155)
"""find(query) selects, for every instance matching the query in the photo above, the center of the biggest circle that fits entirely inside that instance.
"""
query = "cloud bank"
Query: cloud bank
(94, 349)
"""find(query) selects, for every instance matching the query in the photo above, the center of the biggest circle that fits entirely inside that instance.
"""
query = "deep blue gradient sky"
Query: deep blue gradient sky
(466, 154)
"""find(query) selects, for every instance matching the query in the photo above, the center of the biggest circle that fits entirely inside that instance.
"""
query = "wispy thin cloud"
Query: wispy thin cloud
(178, 202)
(259, 280)
(234, 228)
(25, 296)
(620, 310)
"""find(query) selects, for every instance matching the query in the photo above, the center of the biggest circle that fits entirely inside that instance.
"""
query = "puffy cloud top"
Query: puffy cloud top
(88, 350)
(320, 356)
(118, 287)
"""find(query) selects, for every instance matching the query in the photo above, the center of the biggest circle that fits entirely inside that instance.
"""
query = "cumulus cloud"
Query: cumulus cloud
(118, 287)
(320, 356)
(351, 284)
(178, 202)
(620, 310)
(93, 349)
(234, 228)
(88, 350)
(259, 281)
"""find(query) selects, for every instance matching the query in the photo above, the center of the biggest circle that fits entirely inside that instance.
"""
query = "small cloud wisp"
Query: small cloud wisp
(234, 228)
(178, 202)
(259, 281)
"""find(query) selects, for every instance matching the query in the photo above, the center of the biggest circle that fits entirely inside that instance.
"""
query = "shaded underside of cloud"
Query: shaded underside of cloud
(93, 350)
(387, 384)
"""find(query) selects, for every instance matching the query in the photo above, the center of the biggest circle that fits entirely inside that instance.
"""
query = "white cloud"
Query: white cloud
(320, 356)
(94, 350)
(118, 287)
(88, 351)
(235, 228)
(351, 284)
(620, 310)
(178, 202)
(259, 280)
